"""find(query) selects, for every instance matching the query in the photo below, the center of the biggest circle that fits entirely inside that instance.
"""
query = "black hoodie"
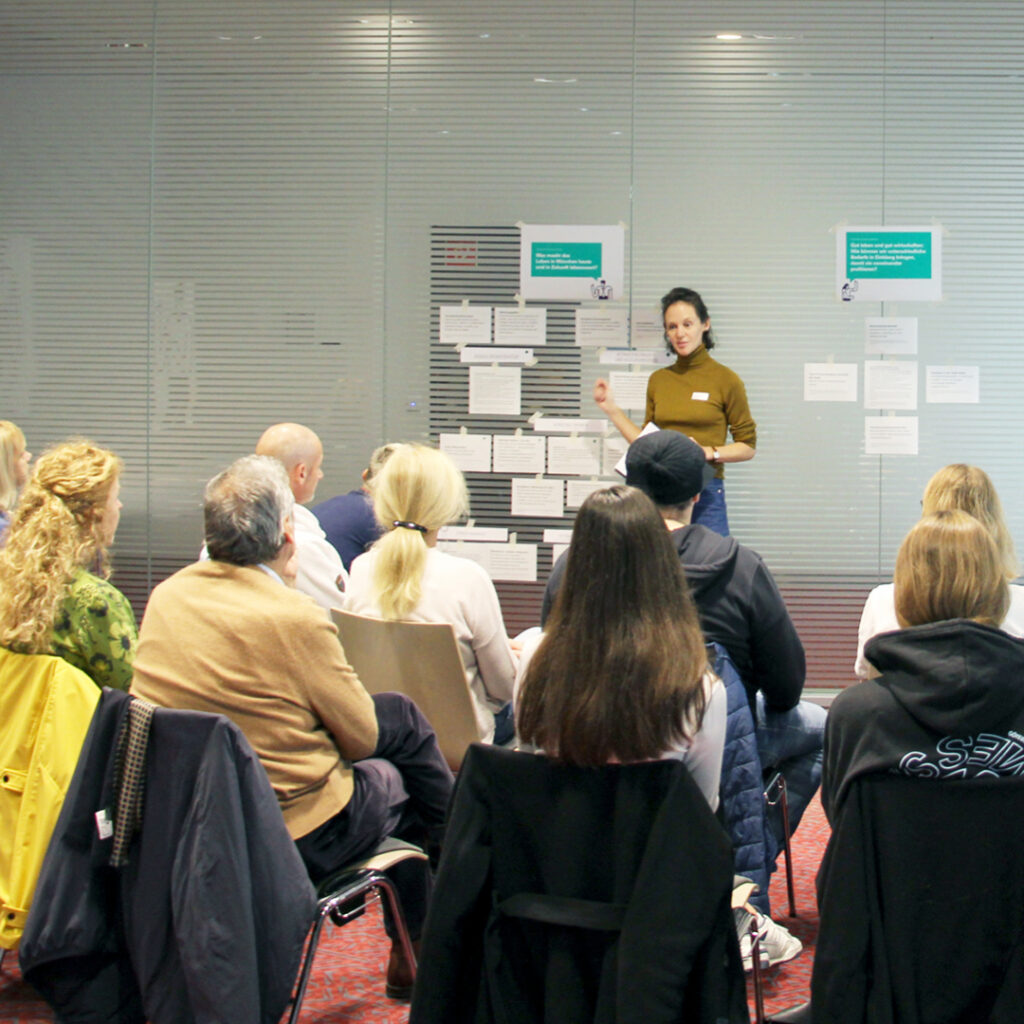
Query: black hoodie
(948, 704)
(740, 606)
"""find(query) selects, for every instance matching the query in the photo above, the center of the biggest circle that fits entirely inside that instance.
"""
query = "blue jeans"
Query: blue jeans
(710, 510)
(791, 741)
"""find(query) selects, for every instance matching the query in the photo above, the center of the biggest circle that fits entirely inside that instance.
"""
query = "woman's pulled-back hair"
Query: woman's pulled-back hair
(948, 567)
(619, 674)
(12, 444)
(422, 487)
(57, 528)
(692, 298)
(969, 489)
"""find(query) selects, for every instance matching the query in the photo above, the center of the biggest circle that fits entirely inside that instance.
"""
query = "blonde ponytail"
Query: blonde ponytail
(418, 491)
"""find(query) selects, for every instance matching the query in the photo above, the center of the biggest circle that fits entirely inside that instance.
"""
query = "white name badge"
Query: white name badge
(700, 396)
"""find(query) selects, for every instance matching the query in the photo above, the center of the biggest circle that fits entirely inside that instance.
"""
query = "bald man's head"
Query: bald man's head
(301, 453)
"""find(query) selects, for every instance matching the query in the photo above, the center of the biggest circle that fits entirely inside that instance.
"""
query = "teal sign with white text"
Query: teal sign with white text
(565, 259)
(889, 255)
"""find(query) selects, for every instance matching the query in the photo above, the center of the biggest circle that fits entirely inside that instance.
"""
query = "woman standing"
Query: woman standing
(698, 397)
(54, 593)
(14, 460)
(620, 672)
(405, 576)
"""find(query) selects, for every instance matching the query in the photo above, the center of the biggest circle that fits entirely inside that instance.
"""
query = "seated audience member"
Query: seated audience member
(229, 636)
(666, 467)
(54, 593)
(948, 701)
(320, 572)
(953, 487)
(620, 673)
(348, 519)
(405, 576)
(740, 607)
(14, 461)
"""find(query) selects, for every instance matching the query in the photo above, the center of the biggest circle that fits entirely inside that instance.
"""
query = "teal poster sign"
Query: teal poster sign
(890, 255)
(566, 259)
(889, 264)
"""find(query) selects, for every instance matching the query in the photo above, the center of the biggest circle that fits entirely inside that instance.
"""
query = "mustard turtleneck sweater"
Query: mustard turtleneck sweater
(702, 399)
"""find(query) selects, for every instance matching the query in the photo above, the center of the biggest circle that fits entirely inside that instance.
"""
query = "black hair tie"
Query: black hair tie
(409, 526)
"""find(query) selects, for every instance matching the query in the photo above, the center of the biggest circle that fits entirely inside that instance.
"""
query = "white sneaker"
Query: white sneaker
(777, 944)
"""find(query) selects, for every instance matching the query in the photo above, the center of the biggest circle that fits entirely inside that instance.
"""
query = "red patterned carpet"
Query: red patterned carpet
(347, 986)
(790, 984)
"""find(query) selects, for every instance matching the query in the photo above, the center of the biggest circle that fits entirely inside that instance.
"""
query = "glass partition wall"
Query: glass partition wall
(216, 215)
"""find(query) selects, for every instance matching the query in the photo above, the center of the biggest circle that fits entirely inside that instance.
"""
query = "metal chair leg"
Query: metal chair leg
(369, 883)
(778, 783)
(755, 971)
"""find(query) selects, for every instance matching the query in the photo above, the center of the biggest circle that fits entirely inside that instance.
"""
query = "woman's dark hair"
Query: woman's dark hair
(619, 674)
(694, 299)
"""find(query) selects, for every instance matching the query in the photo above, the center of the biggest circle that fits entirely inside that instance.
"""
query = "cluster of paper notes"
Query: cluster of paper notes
(891, 385)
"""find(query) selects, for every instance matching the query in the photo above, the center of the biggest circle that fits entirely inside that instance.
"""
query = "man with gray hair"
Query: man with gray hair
(231, 635)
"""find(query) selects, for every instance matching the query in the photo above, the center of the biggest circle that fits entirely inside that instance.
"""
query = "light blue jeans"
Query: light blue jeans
(791, 742)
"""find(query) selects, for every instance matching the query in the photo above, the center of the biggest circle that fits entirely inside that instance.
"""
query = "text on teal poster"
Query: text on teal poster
(888, 254)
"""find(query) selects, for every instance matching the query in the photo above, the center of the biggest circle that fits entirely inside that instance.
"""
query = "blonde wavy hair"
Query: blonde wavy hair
(969, 489)
(12, 444)
(949, 567)
(423, 488)
(57, 528)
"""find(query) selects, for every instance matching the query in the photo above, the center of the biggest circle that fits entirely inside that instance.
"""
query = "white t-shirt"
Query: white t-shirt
(703, 754)
(879, 616)
(458, 591)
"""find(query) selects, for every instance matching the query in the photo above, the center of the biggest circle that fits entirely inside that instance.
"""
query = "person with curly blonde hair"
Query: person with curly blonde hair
(405, 576)
(54, 594)
(14, 460)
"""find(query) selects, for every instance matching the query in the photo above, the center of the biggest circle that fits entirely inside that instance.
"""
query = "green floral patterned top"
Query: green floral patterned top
(95, 631)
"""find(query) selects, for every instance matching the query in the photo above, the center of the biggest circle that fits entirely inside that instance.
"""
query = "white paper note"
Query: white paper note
(601, 326)
(635, 357)
(614, 451)
(500, 561)
(577, 491)
(568, 425)
(494, 391)
(532, 497)
(493, 354)
(514, 562)
(630, 389)
(891, 384)
(555, 535)
(953, 384)
(890, 335)
(647, 329)
(580, 456)
(477, 534)
(465, 325)
(518, 454)
(830, 382)
(470, 452)
(890, 435)
(515, 326)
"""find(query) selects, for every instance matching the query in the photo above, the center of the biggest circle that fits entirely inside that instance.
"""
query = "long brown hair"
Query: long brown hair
(619, 674)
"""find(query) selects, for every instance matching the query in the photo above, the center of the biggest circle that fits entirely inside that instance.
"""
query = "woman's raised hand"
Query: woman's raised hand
(603, 395)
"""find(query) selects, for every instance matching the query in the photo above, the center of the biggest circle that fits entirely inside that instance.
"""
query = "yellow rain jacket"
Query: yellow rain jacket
(46, 706)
